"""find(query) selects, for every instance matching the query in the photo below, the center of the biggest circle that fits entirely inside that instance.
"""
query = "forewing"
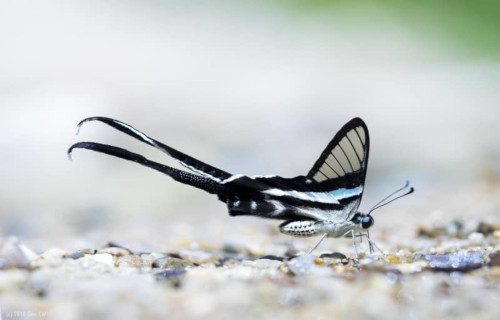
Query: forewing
(341, 168)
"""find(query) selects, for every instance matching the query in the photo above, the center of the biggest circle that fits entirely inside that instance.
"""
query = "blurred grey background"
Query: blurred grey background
(250, 87)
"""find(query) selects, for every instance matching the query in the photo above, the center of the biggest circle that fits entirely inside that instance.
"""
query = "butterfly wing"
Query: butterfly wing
(341, 167)
(330, 192)
(187, 161)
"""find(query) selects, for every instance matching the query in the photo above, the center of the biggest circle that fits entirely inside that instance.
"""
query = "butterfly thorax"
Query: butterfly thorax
(337, 229)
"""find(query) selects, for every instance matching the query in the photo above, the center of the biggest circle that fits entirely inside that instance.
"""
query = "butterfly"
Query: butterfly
(323, 203)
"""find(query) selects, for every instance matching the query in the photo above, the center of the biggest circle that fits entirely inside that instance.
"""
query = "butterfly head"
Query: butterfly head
(363, 220)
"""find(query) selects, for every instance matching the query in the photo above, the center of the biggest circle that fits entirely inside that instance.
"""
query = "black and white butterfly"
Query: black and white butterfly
(324, 202)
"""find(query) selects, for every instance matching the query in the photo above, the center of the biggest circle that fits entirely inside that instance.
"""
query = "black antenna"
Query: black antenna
(381, 204)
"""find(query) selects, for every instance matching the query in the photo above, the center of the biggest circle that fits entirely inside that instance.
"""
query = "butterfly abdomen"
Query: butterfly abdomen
(299, 228)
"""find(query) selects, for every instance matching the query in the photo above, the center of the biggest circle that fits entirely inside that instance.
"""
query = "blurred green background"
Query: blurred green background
(473, 26)
(252, 87)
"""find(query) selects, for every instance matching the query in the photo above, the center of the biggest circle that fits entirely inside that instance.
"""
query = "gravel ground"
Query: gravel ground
(443, 271)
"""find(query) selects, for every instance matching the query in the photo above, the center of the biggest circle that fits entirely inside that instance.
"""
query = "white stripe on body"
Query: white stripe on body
(332, 197)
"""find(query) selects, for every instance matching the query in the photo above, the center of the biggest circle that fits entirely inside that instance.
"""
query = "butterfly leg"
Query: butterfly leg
(372, 244)
(360, 236)
(317, 243)
(356, 260)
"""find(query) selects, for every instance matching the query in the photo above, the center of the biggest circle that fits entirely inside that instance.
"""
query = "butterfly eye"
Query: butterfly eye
(367, 222)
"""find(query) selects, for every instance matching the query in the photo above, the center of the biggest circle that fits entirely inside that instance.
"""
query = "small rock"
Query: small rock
(172, 263)
(158, 255)
(301, 265)
(76, 255)
(149, 258)
(496, 234)
(494, 259)
(333, 255)
(485, 228)
(173, 276)
(129, 261)
(230, 248)
(414, 267)
(319, 261)
(392, 259)
(255, 250)
(134, 247)
(454, 228)
(115, 251)
(373, 262)
(199, 256)
(291, 252)
(271, 257)
(230, 262)
(50, 258)
(476, 238)
(88, 251)
(14, 254)
(173, 255)
(232, 256)
(80, 253)
(459, 261)
(99, 261)
(264, 264)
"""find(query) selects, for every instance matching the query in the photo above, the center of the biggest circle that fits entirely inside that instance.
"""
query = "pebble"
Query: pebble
(129, 261)
(172, 263)
(231, 248)
(158, 255)
(14, 254)
(271, 257)
(301, 265)
(414, 267)
(455, 228)
(115, 251)
(485, 228)
(374, 262)
(255, 250)
(173, 276)
(99, 261)
(199, 256)
(333, 255)
(458, 261)
(88, 251)
(80, 253)
(264, 264)
(476, 238)
(494, 259)
(50, 258)
(76, 255)
(134, 247)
